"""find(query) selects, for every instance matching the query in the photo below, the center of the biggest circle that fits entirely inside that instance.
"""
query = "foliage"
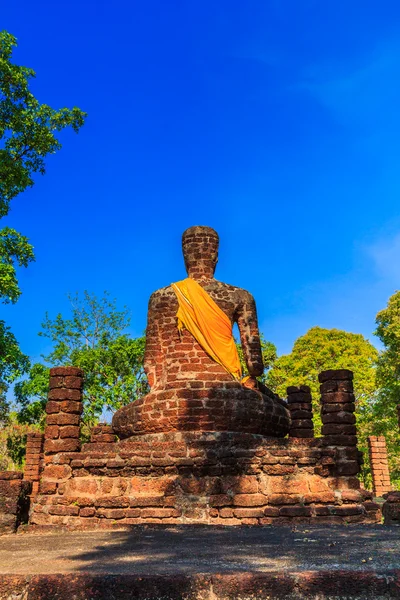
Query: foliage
(13, 364)
(14, 250)
(321, 349)
(12, 444)
(94, 340)
(384, 410)
(27, 128)
(27, 135)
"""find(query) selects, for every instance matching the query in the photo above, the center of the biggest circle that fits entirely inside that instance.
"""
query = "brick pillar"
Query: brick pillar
(64, 410)
(300, 407)
(338, 420)
(379, 465)
(14, 500)
(33, 460)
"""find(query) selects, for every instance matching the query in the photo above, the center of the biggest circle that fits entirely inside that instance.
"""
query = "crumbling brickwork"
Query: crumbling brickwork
(300, 407)
(64, 410)
(379, 465)
(34, 460)
(338, 419)
(202, 477)
(14, 503)
(213, 478)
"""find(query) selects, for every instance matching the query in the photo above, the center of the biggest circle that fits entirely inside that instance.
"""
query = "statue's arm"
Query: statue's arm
(153, 350)
(249, 335)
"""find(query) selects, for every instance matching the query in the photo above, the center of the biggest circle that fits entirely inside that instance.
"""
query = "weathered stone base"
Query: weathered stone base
(202, 478)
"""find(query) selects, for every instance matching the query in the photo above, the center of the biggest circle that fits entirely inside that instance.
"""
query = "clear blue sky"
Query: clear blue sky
(277, 123)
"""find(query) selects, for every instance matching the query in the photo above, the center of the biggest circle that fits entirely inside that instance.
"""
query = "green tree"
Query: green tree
(321, 349)
(13, 364)
(94, 340)
(27, 135)
(384, 410)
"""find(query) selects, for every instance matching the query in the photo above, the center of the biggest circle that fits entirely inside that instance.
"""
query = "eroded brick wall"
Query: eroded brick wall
(219, 478)
(379, 465)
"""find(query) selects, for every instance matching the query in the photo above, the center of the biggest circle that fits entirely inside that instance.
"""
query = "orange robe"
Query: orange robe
(208, 324)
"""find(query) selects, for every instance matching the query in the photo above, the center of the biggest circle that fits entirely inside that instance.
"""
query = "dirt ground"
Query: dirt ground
(196, 549)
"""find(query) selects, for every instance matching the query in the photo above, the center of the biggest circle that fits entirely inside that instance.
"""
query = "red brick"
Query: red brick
(67, 445)
(295, 511)
(48, 487)
(338, 429)
(63, 419)
(52, 432)
(56, 382)
(159, 513)
(249, 500)
(87, 512)
(70, 406)
(56, 472)
(65, 394)
(226, 513)
(52, 407)
(241, 513)
(69, 431)
(335, 375)
(71, 511)
(279, 499)
(65, 372)
(73, 382)
(111, 513)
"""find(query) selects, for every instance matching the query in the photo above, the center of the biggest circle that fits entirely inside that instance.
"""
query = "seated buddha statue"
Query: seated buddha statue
(191, 360)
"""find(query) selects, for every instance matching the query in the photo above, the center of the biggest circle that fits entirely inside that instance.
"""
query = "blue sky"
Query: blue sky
(277, 123)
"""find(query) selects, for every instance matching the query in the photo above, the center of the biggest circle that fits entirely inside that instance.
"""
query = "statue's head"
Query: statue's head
(200, 251)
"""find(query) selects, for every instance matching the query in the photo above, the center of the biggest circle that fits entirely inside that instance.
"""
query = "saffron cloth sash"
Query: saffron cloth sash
(208, 324)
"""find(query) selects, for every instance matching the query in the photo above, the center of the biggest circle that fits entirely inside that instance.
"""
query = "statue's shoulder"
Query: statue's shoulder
(240, 294)
(162, 294)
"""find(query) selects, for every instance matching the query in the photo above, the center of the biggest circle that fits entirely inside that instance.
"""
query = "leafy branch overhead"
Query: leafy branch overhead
(27, 128)
(27, 135)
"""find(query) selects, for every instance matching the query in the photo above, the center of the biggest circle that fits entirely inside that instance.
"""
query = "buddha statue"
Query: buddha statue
(191, 360)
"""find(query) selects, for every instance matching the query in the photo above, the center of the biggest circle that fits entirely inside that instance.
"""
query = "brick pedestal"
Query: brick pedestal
(64, 410)
(300, 407)
(379, 465)
(203, 477)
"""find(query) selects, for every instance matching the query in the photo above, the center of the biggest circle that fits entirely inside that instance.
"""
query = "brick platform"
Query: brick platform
(213, 478)
(200, 477)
